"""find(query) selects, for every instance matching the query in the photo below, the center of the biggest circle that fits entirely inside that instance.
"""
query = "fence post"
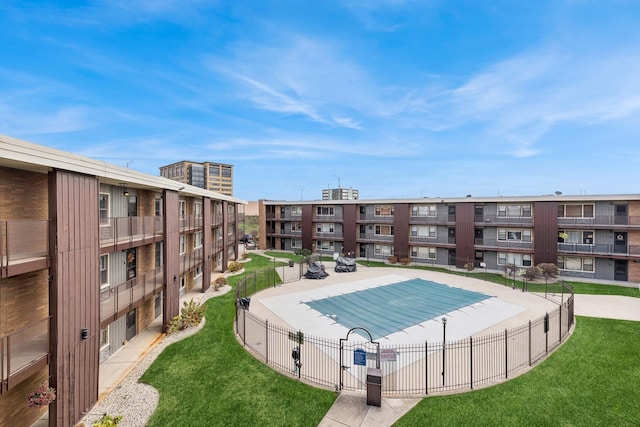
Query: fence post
(560, 323)
(506, 355)
(529, 342)
(244, 327)
(426, 367)
(266, 339)
(471, 361)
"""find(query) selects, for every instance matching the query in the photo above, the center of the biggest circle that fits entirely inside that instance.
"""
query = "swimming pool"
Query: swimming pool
(387, 309)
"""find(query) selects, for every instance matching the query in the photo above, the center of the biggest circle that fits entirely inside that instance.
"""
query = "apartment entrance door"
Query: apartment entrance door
(131, 324)
(620, 243)
(621, 214)
(620, 270)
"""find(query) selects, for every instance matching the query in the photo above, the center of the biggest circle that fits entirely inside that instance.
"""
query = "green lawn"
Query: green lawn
(592, 380)
(209, 379)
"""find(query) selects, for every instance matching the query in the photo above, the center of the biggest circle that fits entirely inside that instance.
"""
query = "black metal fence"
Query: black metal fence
(407, 369)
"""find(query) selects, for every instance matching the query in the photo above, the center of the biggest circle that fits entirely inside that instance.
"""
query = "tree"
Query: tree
(531, 273)
(548, 270)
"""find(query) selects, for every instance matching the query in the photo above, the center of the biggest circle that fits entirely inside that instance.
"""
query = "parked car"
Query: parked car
(250, 245)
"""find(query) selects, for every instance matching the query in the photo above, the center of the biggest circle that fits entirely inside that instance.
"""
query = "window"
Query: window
(423, 231)
(296, 226)
(424, 253)
(158, 207)
(296, 211)
(324, 245)
(182, 209)
(132, 260)
(325, 228)
(383, 210)
(383, 249)
(384, 230)
(103, 206)
(296, 243)
(198, 209)
(514, 211)
(158, 254)
(514, 235)
(519, 260)
(183, 244)
(104, 271)
(197, 272)
(575, 264)
(423, 210)
(197, 239)
(183, 285)
(104, 337)
(584, 237)
(575, 211)
(325, 211)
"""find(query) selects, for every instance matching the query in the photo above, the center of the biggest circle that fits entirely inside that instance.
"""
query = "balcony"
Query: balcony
(490, 220)
(381, 219)
(603, 222)
(23, 246)
(376, 238)
(438, 240)
(190, 260)
(23, 353)
(120, 299)
(216, 219)
(598, 249)
(191, 223)
(126, 232)
(502, 244)
(442, 219)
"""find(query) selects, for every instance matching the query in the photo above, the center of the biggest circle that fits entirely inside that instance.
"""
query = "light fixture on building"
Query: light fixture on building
(84, 333)
(125, 190)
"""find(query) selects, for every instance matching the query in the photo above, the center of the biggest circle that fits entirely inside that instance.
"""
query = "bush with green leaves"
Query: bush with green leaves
(108, 421)
(305, 254)
(234, 266)
(191, 315)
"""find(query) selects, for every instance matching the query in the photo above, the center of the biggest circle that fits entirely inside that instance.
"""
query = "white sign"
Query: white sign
(388, 355)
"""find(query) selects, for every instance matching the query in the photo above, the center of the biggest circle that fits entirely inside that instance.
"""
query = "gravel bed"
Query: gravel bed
(135, 401)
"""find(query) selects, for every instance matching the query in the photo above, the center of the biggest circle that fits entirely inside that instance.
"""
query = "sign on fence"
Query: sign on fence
(359, 357)
(388, 355)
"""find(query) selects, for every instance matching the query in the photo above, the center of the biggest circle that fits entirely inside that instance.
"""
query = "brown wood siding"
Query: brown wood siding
(401, 231)
(74, 294)
(545, 232)
(225, 237)
(171, 300)
(349, 228)
(307, 227)
(464, 233)
(207, 240)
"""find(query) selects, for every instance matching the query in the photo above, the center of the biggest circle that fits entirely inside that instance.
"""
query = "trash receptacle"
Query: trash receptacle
(374, 387)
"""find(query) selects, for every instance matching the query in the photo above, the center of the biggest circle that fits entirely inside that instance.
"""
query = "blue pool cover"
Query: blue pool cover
(387, 309)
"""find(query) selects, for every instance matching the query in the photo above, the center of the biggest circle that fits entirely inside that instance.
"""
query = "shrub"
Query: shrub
(469, 266)
(392, 259)
(234, 266)
(245, 255)
(548, 270)
(191, 315)
(531, 273)
(219, 282)
(404, 261)
(305, 254)
(108, 421)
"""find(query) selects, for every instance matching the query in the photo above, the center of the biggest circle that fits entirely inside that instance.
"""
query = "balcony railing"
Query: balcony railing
(190, 260)
(23, 243)
(598, 249)
(503, 244)
(129, 230)
(376, 237)
(23, 353)
(501, 220)
(604, 221)
(191, 222)
(216, 219)
(125, 296)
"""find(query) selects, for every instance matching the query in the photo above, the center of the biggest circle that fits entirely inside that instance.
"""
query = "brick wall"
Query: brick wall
(13, 405)
(24, 195)
(24, 300)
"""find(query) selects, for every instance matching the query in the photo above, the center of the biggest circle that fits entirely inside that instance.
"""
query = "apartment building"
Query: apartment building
(216, 177)
(588, 237)
(340, 193)
(90, 254)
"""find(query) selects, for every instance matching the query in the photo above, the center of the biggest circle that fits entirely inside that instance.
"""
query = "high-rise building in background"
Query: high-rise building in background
(340, 194)
(216, 177)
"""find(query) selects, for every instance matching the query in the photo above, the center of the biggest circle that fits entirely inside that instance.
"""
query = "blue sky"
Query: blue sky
(396, 98)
